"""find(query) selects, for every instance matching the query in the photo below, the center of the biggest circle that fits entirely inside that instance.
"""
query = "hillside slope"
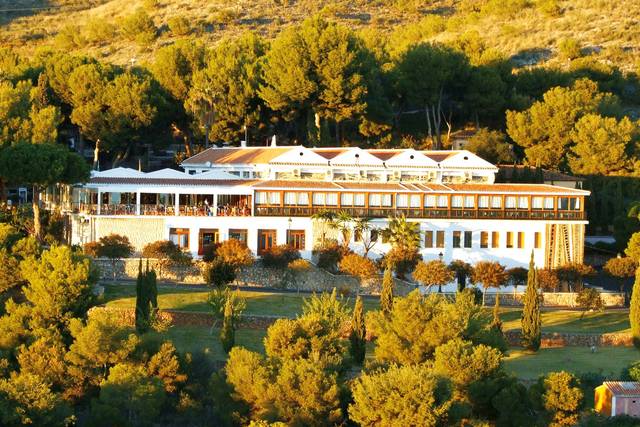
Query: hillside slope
(528, 30)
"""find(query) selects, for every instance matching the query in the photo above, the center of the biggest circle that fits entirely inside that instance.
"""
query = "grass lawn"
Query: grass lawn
(607, 361)
(569, 321)
(258, 303)
(195, 339)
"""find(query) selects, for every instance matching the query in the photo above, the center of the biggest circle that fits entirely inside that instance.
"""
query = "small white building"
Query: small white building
(266, 196)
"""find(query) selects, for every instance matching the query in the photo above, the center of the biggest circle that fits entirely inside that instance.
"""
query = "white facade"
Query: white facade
(266, 197)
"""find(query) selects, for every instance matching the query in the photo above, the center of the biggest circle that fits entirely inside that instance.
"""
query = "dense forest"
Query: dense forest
(142, 78)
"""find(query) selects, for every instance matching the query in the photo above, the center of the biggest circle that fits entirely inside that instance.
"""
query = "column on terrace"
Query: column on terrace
(177, 205)
(215, 204)
(99, 201)
(137, 202)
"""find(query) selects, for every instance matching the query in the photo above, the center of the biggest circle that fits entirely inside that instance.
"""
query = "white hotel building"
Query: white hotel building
(266, 196)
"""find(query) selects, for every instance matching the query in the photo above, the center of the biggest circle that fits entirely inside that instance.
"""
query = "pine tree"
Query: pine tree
(634, 310)
(228, 333)
(386, 296)
(531, 313)
(358, 333)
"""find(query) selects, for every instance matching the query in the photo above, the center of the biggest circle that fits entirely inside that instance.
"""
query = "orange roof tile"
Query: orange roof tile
(384, 155)
(623, 388)
(514, 188)
(296, 184)
(439, 156)
(328, 153)
(237, 155)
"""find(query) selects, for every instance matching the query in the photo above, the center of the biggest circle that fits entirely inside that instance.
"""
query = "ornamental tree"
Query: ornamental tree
(589, 299)
(462, 271)
(362, 268)
(433, 273)
(166, 253)
(228, 331)
(633, 247)
(234, 253)
(114, 247)
(621, 268)
(489, 275)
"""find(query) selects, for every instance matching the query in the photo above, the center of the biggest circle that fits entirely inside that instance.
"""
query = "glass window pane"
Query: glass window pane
(440, 239)
(428, 239)
(469, 201)
(358, 199)
(318, 199)
(443, 202)
(346, 199)
(548, 203)
(290, 198)
(375, 199)
(496, 202)
(402, 200)
(467, 239)
(261, 197)
(430, 201)
(303, 199)
(332, 199)
(523, 202)
(483, 202)
(274, 198)
(536, 202)
(414, 201)
(456, 201)
(386, 200)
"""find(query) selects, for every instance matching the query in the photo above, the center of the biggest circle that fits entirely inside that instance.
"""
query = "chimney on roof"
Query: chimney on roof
(243, 144)
(273, 141)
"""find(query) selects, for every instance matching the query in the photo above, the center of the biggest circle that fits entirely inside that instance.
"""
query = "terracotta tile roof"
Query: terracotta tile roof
(439, 156)
(296, 184)
(329, 153)
(237, 155)
(172, 181)
(384, 155)
(514, 188)
(379, 186)
(623, 388)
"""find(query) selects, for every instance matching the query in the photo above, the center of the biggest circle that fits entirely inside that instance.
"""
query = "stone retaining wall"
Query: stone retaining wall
(555, 299)
(126, 317)
(313, 280)
(556, 339)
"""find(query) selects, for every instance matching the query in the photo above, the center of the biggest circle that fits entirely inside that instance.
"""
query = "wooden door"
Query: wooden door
(266, 240)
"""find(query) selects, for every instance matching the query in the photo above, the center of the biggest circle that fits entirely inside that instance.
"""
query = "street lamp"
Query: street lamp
(440, 256)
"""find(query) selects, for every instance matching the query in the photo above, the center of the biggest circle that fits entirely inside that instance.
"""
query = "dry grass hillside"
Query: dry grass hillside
(528, 30)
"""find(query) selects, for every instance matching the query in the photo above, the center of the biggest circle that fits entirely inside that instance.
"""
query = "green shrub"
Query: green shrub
(98, 30)
(179, 25)
(219, 273)
(279, 256)
(139, 27)
(569, 49)
(329, 255)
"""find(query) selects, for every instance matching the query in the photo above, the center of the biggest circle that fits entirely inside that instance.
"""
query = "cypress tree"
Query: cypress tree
(496, 323)
(531, 329)
(228, 333)
(358, 333)
(634, 310)
(142, 303)
(386, 296)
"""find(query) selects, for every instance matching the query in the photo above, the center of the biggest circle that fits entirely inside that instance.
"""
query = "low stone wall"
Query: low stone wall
(555, 339)
(127, 317)
(555, 299)
(313, 280)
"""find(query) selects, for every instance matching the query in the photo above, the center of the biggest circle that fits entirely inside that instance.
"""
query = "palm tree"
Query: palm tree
(324, 218)
(366, 232)
(343, 222)
(402, 233)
